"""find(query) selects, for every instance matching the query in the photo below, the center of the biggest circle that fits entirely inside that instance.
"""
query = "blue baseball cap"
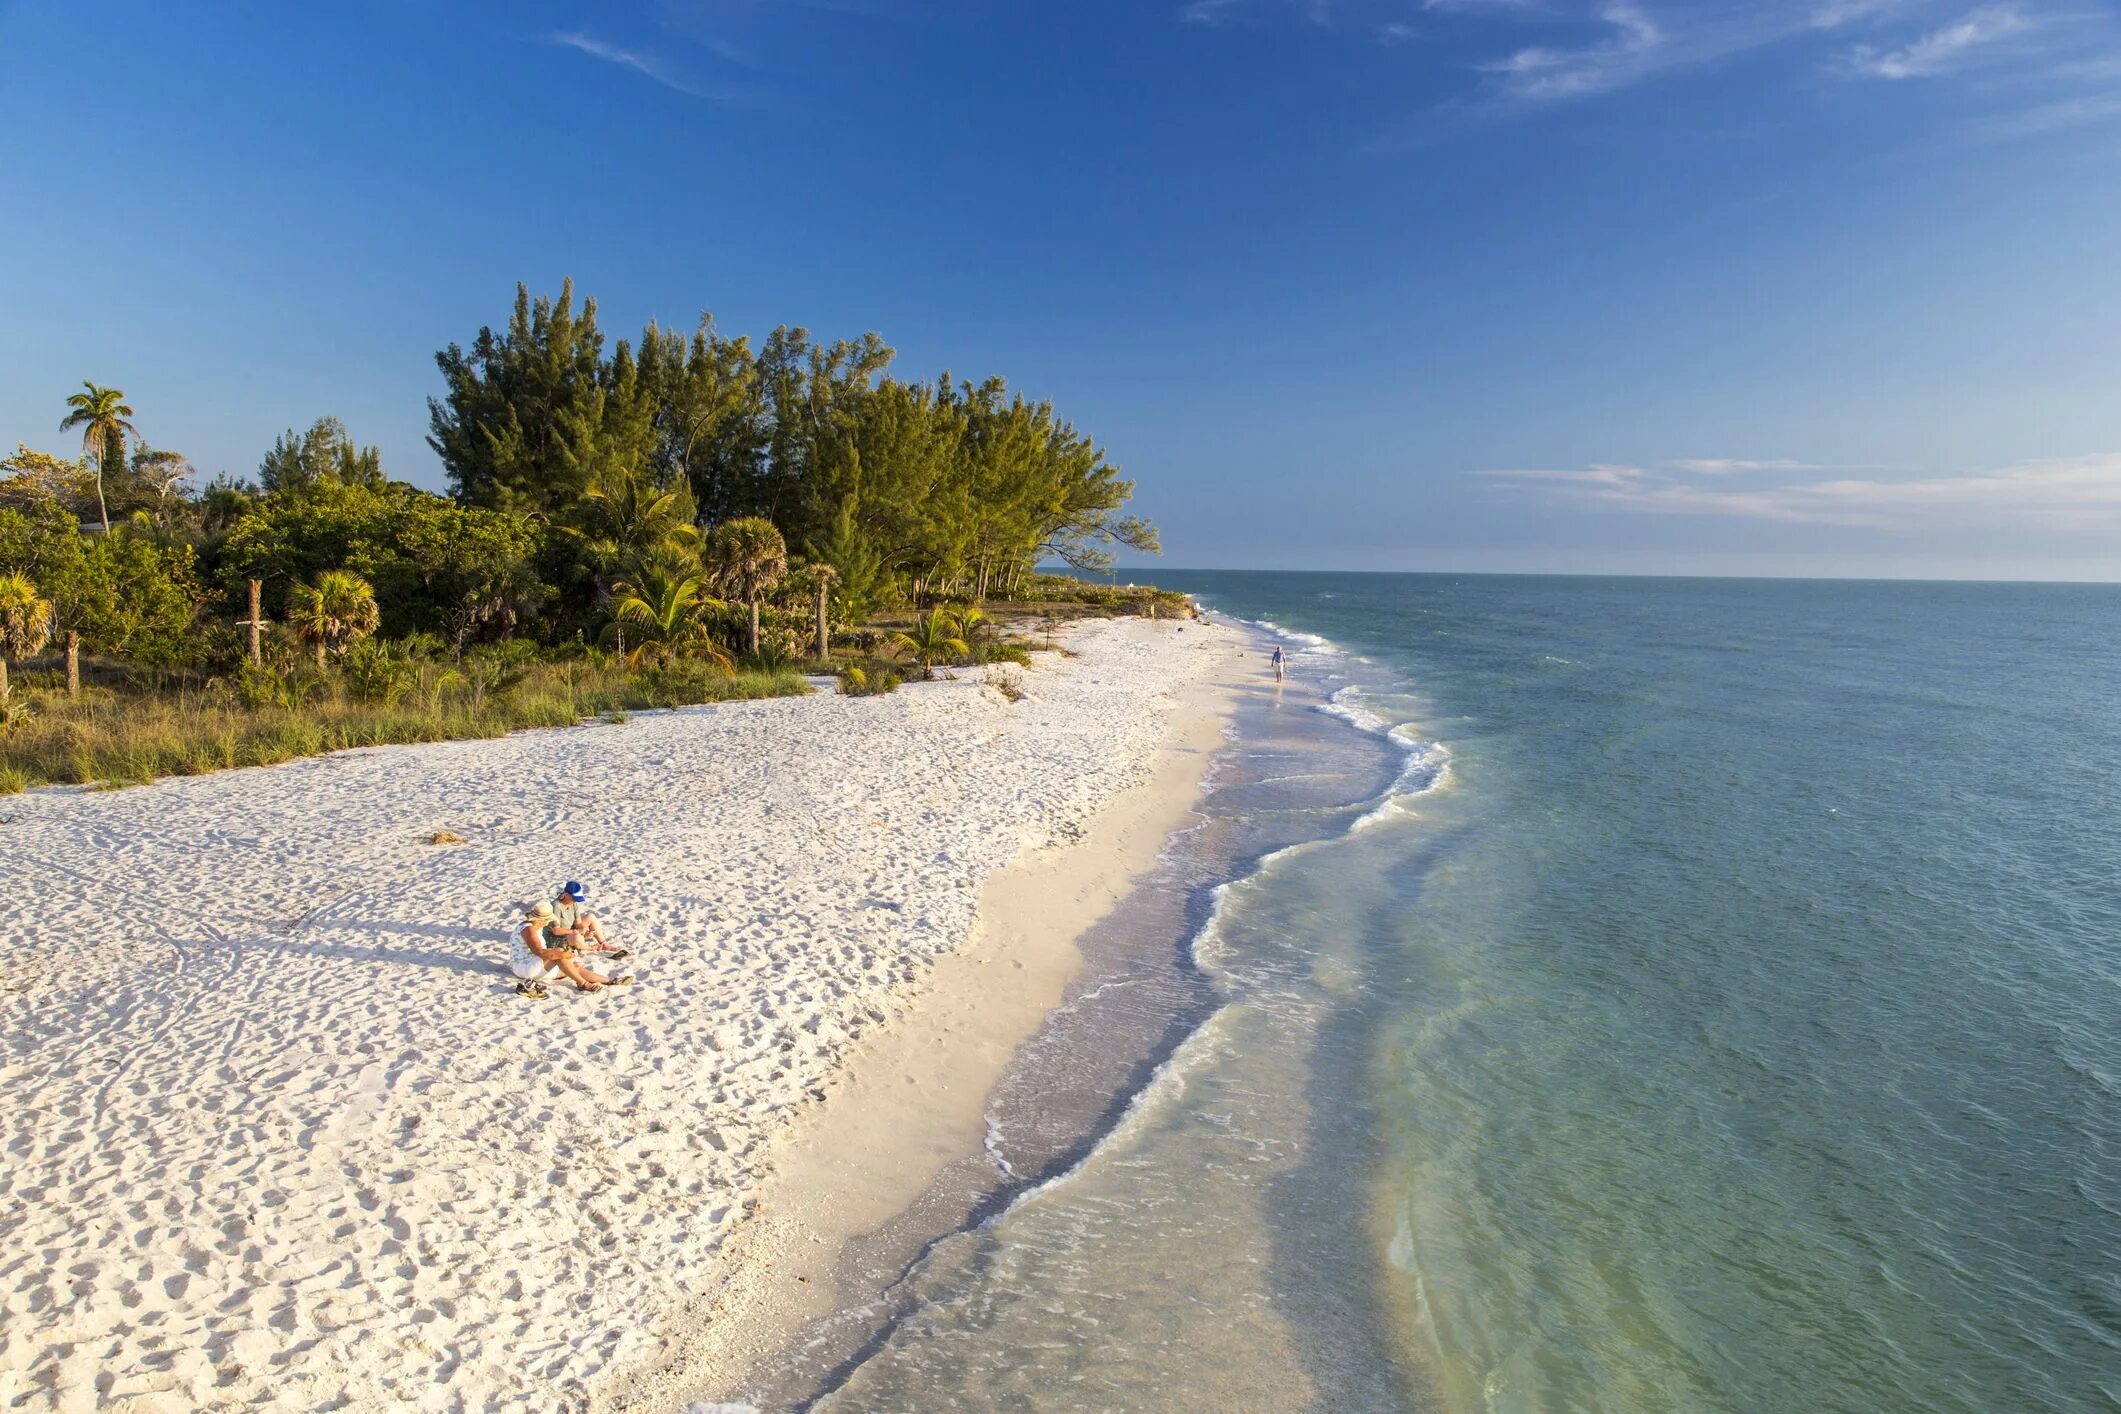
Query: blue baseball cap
(572, 889)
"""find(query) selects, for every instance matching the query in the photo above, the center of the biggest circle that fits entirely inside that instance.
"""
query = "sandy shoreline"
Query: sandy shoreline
(913, 1097)
(285, 1137)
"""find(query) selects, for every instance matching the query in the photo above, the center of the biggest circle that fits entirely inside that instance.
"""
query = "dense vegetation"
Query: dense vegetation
(672, 519)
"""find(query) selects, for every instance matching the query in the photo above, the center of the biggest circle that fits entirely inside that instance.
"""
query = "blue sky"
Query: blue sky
(1714, 286)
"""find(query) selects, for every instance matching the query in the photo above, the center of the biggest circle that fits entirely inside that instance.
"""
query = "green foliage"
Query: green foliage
(128, 594)
(324, 454)
(905, 488)
(490, 677)
(379, 672)
(32, 482)
(932, 639)
(257, 685)
(584, 476)
(25, 617)
(661, 613)
(993, 652)
(333, 612)
(435, 566)
(624, 518)
(776, 651)
(1054, 589)
(747, 558)
(534, 415)
(127, 738)
(854, 682)
(104, 420)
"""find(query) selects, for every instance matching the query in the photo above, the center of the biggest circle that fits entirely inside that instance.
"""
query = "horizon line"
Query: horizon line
(1145, 570)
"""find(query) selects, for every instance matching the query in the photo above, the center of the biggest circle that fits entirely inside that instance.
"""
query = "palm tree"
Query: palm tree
(932, 639)
(25, 622)
(748, 558)
(625, 517)
(339, 608)
(824, 577)
(661, 608)
(102, 416)
(970, 622)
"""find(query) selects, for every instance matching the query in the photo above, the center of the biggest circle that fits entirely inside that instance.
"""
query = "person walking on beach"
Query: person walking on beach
(533, 956)
(1280, 661)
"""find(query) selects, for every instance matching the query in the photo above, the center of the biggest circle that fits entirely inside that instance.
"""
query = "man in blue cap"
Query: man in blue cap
(574, 925)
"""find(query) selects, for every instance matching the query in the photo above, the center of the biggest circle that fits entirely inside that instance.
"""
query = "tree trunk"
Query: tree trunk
(255, 623)
(3, 679)
(824, 629)
(73, 663)
(101, 508)
(320, 655)
(754, 626)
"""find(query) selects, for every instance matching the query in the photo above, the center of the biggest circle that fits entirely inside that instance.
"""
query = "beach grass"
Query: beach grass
(114, 737)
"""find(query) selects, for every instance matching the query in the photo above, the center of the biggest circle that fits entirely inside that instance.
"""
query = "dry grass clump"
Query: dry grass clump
(1007, 681)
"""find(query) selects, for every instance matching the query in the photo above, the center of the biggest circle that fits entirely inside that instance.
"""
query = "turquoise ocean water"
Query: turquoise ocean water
(1720, 1009)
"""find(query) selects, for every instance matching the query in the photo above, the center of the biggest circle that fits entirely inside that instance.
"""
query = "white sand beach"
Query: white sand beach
(281, 1134)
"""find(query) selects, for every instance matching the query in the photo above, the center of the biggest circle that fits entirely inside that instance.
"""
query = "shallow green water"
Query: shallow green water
(1721, 1014)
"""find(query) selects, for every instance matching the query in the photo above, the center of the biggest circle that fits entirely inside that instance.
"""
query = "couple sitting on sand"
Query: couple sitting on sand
(560, 937)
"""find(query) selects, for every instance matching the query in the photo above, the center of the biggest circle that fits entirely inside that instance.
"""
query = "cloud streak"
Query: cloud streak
(649, 66)
(1941, 50)
(2069, 493)
(1541, 53)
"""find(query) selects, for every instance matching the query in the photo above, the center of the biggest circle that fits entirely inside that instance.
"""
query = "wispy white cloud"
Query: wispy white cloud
(1539, 71)
(1838, 14)
(2072, 493)
(647, 65)
(1550, 51)
(1731, 466)
(1612, 476)
(1487, 7)
(2057, 115)
(1942, 50)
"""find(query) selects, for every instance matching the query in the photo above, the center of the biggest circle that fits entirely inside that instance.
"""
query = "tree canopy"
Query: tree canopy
(907, 486)
(597, 491)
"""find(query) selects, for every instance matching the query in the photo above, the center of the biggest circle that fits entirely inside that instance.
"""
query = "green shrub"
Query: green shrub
(258, 685)
(379, 672)
(996, 652)
(856, 683)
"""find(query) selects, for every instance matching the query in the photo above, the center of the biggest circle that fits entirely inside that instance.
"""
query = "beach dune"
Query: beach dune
(282, 1134)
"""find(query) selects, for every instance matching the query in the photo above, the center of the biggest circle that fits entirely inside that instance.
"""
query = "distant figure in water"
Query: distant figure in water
(1279, 662)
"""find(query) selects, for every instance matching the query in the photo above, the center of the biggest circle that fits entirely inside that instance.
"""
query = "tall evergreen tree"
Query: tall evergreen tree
(325, 453)
(517, 410)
